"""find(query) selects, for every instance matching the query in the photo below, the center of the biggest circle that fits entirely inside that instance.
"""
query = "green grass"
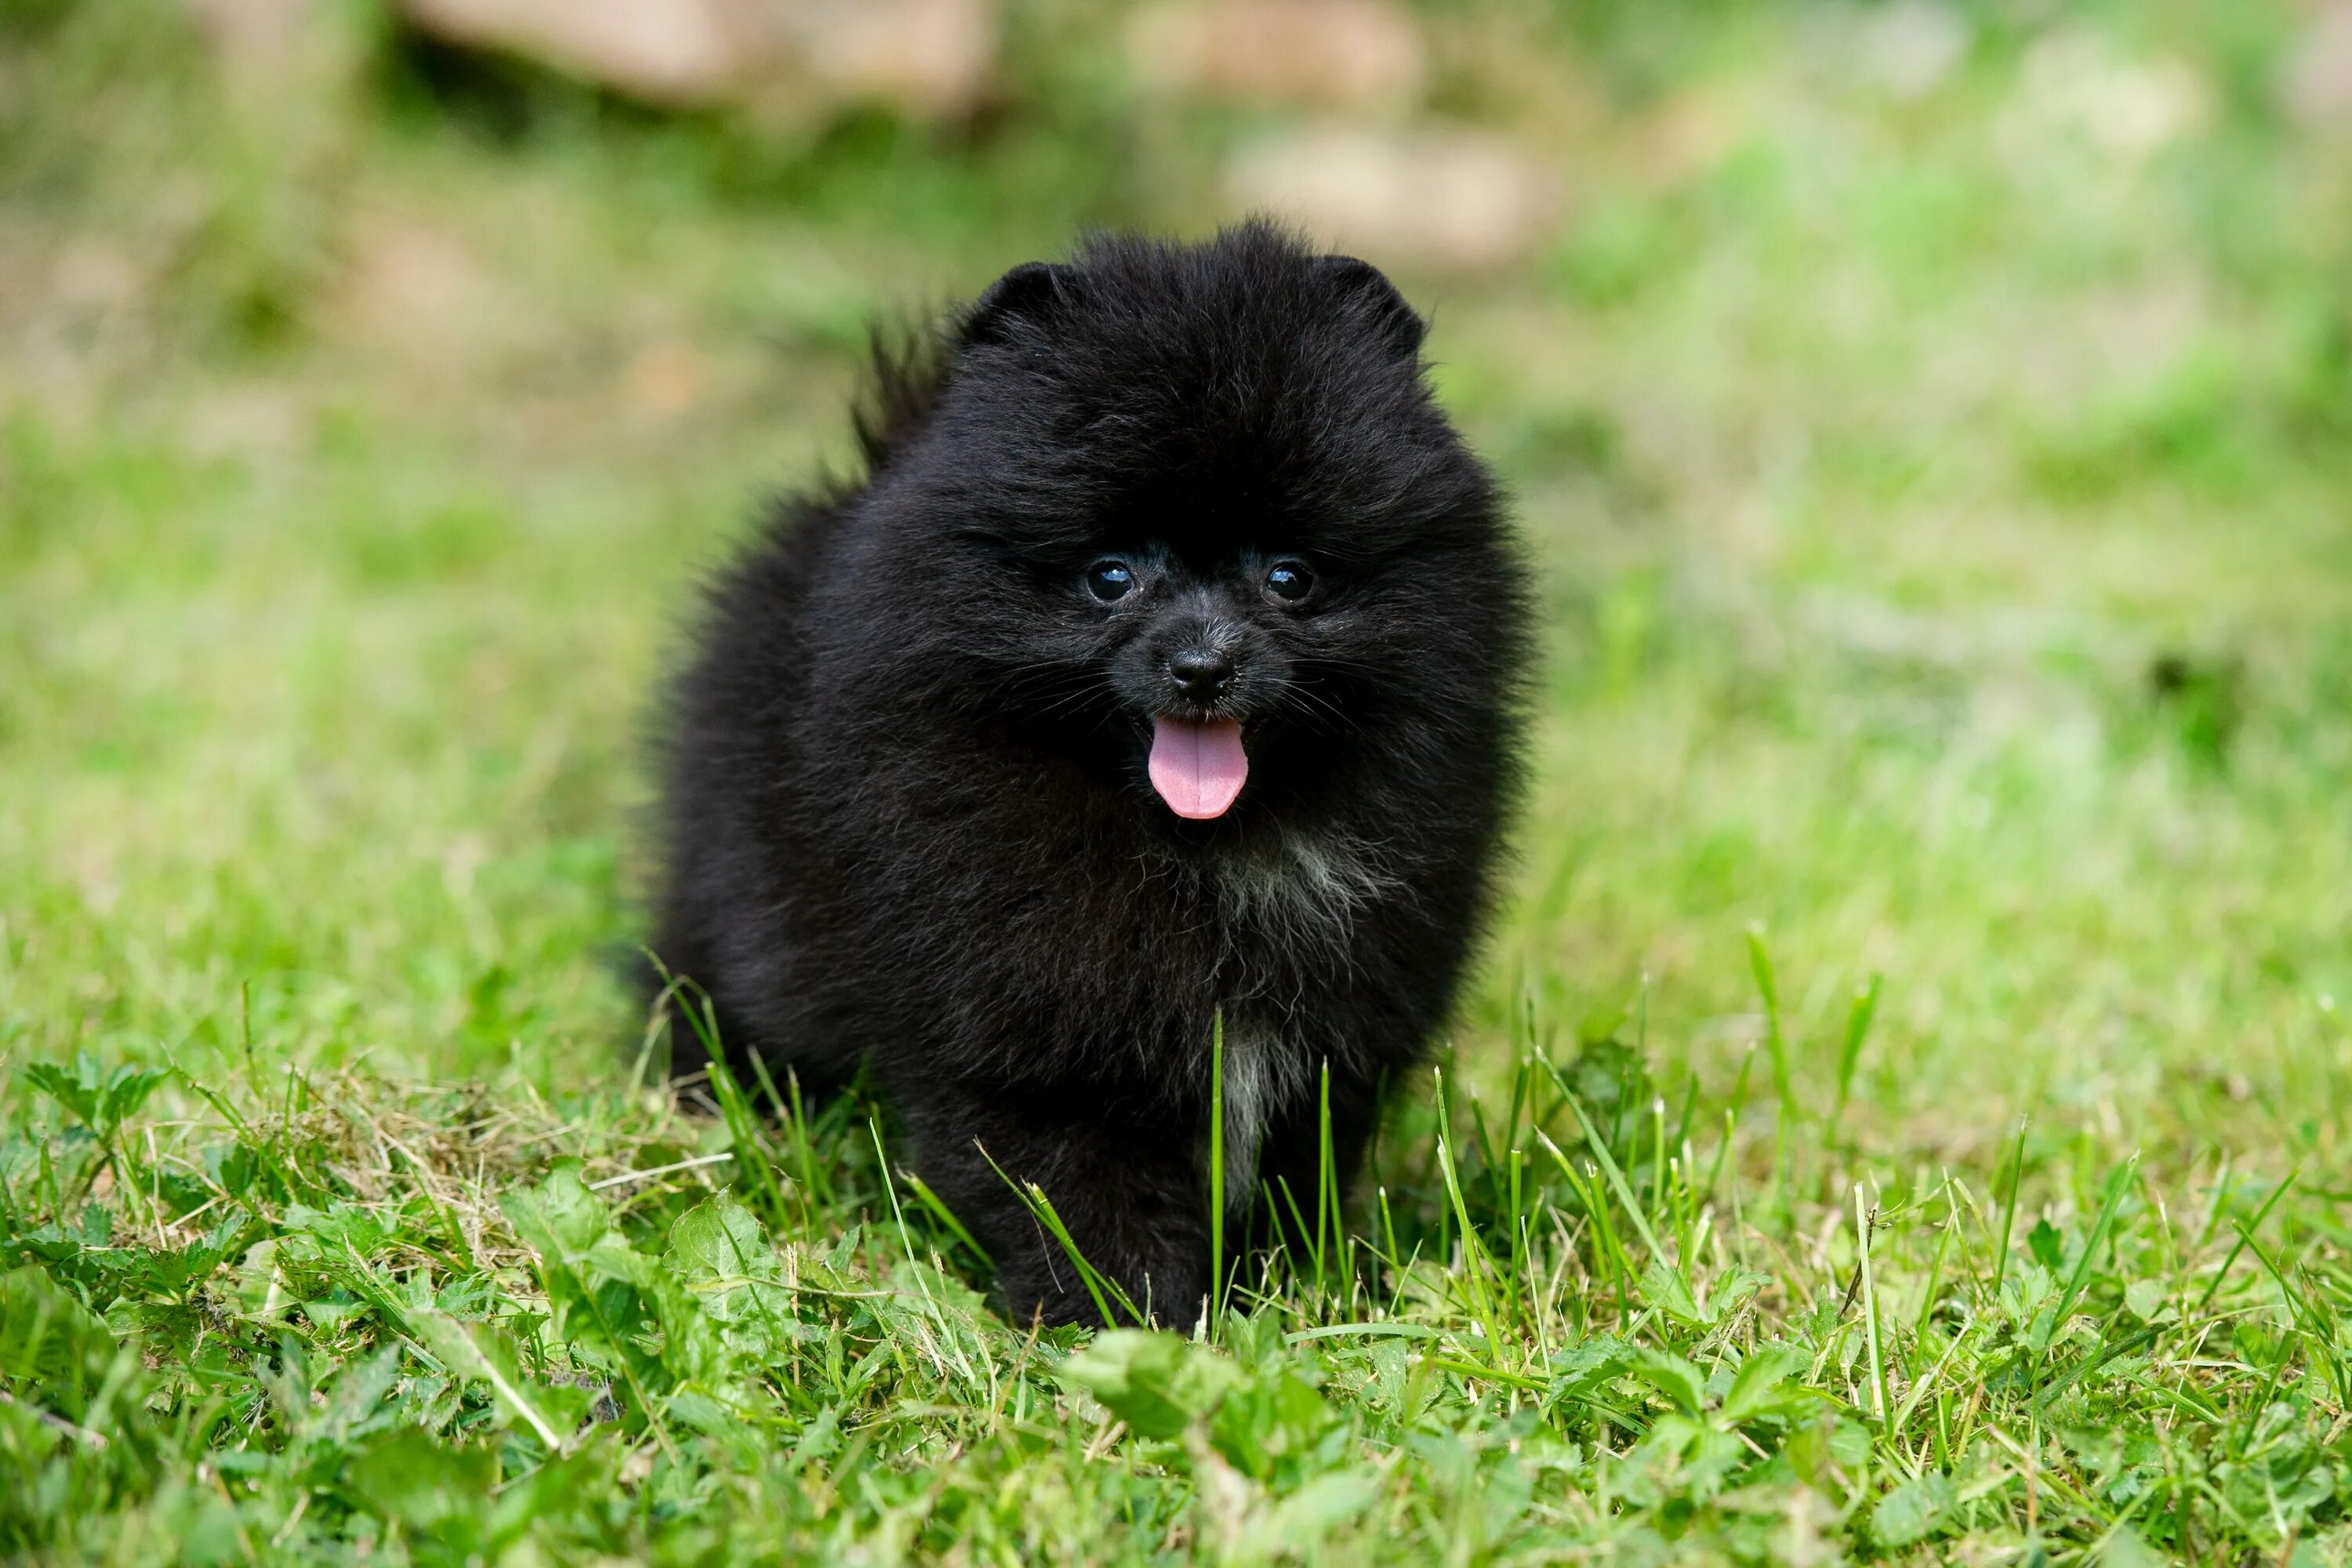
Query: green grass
(1898, 1118)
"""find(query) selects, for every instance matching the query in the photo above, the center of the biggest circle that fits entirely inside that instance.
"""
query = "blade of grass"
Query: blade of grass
(750, 1149)
(1477, 1264)
(1216, 1171)
(1760, 964)
(2308, 1315)
(2118, 1183)
(2244, 1235)
(1857, 1030)
(1100, 1288)
(939, 1211)
(790, 1118)
(1608, 1164)
(914, 1264)
(1862, 1221)
(2008, 1211)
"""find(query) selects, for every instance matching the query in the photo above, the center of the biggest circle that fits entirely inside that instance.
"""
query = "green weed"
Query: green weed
(1898, 1118)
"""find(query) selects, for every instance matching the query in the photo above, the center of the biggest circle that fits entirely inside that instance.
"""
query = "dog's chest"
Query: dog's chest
(1300, 897)
(1265, 1076)
(1289, 914)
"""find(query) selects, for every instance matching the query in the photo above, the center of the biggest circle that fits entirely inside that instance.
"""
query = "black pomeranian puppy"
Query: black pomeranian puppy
(1165, 664)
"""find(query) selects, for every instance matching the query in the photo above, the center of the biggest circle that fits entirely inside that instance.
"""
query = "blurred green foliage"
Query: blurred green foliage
(1929, 422)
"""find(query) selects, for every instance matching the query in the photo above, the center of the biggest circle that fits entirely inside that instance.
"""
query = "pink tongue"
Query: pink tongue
(1197, 768)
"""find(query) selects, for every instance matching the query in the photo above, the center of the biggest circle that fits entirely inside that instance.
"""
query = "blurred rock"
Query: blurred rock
(929, 58)
(666, 379)
(278, 53)
(1335, 54)
(1456, 199)
(1690, 133)
(421, 295)
(683, 52)
(252, 29)
(1909, 48)
(2315, 78)
(2076, 80)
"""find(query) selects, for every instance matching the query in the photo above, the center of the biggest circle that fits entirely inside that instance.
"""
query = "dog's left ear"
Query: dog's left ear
(1366, 290)
(1029, 294)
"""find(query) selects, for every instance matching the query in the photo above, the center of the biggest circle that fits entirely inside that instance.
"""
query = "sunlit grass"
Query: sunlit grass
(1898, 1110)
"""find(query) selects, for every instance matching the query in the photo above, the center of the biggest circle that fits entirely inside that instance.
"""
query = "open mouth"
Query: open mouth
(1198, 765)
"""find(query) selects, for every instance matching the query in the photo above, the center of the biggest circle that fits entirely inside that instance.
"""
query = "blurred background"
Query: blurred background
(1929, 418)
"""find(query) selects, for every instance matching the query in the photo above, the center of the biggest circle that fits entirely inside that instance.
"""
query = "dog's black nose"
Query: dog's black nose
(1201, 672)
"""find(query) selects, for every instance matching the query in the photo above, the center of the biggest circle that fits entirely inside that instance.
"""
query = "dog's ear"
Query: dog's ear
(1028, 295)
(1367, 290)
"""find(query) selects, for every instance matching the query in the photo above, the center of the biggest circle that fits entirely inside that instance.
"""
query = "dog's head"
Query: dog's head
(1202, 518)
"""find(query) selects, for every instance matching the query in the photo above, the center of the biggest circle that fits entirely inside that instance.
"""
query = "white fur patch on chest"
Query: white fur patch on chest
(1264, 1078)
(1302, 892)
(1308, 888)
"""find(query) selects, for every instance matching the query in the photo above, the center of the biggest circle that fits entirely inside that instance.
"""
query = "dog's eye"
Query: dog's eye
(1108, 580)
(1289, 579)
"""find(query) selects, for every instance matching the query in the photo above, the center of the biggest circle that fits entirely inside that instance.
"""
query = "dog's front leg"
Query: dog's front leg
(1129, 1189)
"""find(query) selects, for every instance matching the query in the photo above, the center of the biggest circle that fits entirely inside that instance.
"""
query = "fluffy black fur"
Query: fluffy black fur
(907, 819)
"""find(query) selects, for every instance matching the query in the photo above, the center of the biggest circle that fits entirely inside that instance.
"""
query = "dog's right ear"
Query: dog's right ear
(1367, 290)
(1029, 295)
